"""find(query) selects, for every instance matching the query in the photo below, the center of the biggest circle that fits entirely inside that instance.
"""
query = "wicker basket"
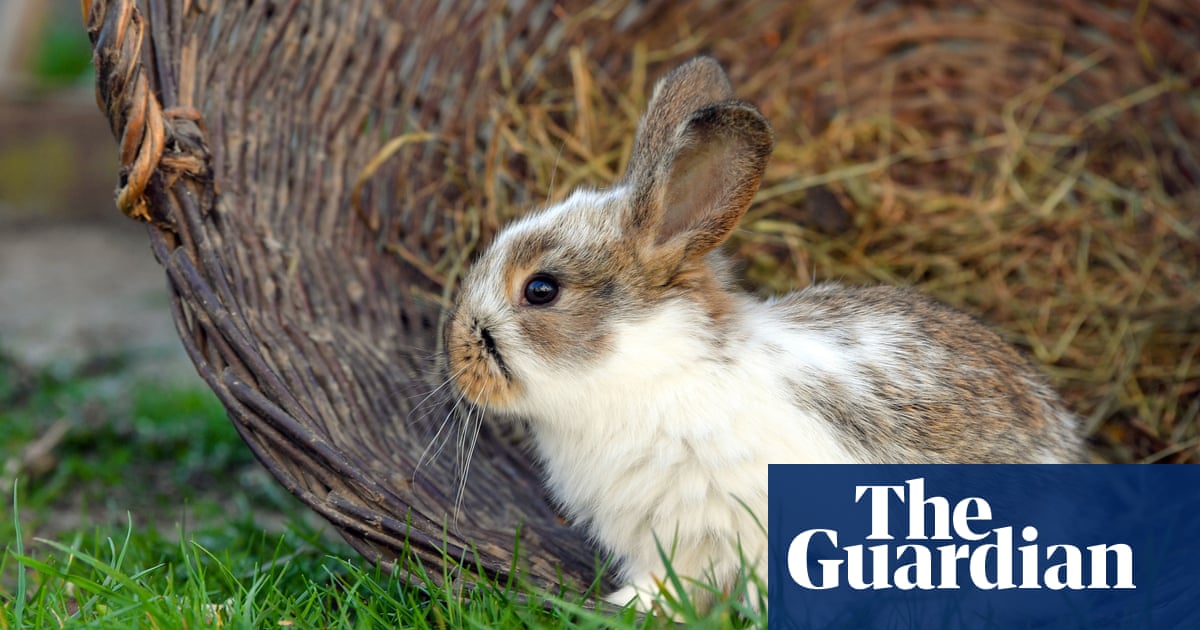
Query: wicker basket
(316, 174)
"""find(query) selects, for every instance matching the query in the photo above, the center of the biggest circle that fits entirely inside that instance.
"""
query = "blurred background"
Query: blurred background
(103, 414)
(77, 280)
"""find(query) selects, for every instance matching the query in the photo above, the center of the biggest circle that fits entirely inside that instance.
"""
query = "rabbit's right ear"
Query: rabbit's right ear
(682, 92)
(697, 161)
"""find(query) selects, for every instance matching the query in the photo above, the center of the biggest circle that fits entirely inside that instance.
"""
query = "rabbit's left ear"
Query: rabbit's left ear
(693, 175)
(709, 178)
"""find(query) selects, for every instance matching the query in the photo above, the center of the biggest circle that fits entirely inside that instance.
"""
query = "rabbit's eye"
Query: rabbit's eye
(541, 289)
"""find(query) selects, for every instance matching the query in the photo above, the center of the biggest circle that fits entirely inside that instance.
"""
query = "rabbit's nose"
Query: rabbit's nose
(478, 366)
(489, 346)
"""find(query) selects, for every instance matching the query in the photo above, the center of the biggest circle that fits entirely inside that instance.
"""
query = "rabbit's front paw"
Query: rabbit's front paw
(642, 593)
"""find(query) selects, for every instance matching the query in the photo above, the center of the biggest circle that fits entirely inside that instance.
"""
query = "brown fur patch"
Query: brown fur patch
(476, 370)
(963, 394)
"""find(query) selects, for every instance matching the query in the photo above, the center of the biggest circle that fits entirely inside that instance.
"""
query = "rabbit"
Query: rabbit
(656, 392)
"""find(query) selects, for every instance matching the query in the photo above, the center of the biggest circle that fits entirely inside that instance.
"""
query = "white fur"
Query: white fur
(665, 437)
(666, 440)
(576, 219)
(664, 443)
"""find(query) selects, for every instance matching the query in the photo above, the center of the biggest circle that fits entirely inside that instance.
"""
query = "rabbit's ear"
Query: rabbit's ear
(685, 90)
(692, 183)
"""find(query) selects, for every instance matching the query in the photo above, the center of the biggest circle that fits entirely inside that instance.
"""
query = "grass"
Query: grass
(137, 579)
(135, 504)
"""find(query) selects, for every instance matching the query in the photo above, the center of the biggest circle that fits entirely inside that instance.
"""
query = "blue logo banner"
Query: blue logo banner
(984, 546)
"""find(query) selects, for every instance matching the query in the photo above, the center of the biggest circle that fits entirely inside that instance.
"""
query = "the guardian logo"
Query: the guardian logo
(946, 545)
(869, 546)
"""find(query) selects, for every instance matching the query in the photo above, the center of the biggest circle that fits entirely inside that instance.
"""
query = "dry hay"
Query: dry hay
(1047, 181)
